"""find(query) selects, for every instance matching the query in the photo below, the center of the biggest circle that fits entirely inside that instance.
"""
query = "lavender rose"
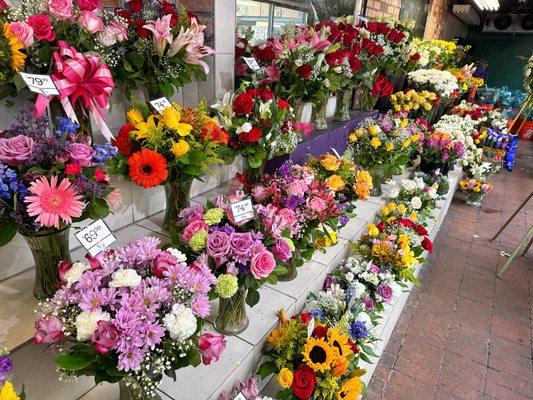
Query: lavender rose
(369, 303)
(81, 153)
(263, 263)
(385, 292)
(218, 244)
(281, 250)
(241, 245)
(16, 150)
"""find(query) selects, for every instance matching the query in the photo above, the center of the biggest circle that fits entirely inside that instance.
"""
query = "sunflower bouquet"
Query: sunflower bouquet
(415, 103)
(342, 176)
(171, 149)
(7, 390)
(416, 196)
(12, 59)
(312, 360)
(47, 183)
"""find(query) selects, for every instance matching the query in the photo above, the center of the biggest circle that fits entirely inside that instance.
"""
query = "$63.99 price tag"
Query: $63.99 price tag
(96, 237)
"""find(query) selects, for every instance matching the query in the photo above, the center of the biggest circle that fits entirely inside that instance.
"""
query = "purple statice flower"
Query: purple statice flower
(130, 360)
(343, 219)
(6, 366)
(294, 201)
(225, 228)
(200, 305)
(285, 169)
(244, 269)
(342, 197)
(358, 330)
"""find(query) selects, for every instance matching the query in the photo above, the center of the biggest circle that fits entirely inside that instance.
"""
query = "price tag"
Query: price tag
(252, 63)
(42, 84)
(243, 210)
(96, 237)
(311, 327)
(240, 396)
(160, 104)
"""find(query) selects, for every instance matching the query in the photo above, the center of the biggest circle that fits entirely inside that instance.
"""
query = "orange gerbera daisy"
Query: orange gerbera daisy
(148, 168)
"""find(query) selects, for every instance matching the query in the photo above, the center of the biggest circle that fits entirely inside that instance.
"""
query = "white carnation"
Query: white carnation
(416, 203)
(75, 272)
(180, 322)
(349, 276)
(393, 193)
(178, 254)
(125, 278)
(87, 322)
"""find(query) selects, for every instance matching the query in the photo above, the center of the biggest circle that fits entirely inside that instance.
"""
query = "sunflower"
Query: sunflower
(339, 341)
(148, 168)
(350, 390)
(318, 354)
(17, 57)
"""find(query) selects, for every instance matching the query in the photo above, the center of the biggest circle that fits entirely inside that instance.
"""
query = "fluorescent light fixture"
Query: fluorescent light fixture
(488, 5)
(467, 13)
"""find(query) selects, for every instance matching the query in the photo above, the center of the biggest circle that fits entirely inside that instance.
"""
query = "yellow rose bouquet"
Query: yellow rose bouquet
(171, 149)
(414, 103)
(312, 360)
(342, 176)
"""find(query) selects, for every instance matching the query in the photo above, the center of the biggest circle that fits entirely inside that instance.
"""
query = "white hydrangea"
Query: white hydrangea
(180, 322)
(87, 322)
(75, 272)
(125, 278)
(349, 276)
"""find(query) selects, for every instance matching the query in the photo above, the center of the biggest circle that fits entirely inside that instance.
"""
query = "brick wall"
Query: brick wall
(441, 23)
(383, 8)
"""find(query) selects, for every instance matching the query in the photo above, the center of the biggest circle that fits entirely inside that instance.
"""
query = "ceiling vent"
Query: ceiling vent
(466, 13)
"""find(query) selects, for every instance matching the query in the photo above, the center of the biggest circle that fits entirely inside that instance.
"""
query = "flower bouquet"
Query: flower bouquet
(309, 208)
(260, 127)
(312, 360)
(383, 145)
(171, 149)
(47, 182)
(439, 150)
(343, 177)
(165, 48)
(130, 316)
(415, 196)
(475, 189)
(436, 53)
(395, 246)
(7, 390)
(12, 58)
(416, 104)
(243, 255)
(248, 388)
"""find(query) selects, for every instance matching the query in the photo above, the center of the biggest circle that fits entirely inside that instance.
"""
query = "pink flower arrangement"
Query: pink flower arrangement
(134, 310)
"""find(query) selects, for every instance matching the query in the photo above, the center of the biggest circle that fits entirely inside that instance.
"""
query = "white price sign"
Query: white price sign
(42, 84)
(252, 63)
(243, 210)
(160, 104)
(311, 327)
(96, 237)
(240, 396)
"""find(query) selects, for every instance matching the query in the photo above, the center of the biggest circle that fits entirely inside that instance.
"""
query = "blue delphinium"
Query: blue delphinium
(65, 124)
(358, 330)
(103, 152)
(10, 184)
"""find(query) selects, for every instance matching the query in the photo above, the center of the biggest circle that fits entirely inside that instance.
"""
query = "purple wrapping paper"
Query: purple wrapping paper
(320, 142)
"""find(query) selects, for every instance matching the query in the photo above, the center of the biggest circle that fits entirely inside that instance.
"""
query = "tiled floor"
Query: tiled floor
(466, 334)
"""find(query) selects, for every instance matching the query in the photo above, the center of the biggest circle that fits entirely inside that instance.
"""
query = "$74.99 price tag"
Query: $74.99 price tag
(42, 84)
(160, 104)
(96, 237)
(243, 210)
(252, 63)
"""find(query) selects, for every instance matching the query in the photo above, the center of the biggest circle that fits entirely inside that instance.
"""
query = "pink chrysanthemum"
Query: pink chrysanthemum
(51, 203)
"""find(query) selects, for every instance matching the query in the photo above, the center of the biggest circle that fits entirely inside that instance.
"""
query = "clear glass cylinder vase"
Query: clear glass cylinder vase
(178, 194)
(292, 264)
(253, 174)
(378, 177)
(342, 109)
(231, 318)
(129, 389)
(364, 100)
(48, 249)
(474, 199)
(321, 123)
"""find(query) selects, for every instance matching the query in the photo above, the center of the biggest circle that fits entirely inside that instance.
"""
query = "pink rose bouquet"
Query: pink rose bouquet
(133, 313)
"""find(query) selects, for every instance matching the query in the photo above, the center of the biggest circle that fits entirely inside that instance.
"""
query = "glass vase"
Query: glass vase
(321, 124)
(342, 110)
(364, 99)
(474, 199)
(129, 390)
(231, 318)
(178, 194)
(378, 177)
(292, 264)
(253, 175)
(48, 249)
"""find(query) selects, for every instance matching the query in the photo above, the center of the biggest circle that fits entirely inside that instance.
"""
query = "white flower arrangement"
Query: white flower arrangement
(440, 82)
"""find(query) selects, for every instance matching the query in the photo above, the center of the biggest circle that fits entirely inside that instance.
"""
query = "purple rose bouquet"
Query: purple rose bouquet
(50, 179)
(242, 255)
(130, 314)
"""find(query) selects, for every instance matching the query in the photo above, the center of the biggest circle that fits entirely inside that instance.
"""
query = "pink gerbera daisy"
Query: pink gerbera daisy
(51, 202)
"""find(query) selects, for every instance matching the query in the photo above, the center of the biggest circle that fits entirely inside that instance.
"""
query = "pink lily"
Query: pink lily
(273, 75)
(319, 44)
(161, 32)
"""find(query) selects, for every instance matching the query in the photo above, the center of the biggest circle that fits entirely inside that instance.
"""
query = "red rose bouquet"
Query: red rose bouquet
(312, 360)
(261, 126)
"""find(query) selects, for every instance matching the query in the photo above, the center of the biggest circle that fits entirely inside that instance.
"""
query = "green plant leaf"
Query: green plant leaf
(252, 297)
(75, 361)
(266, 369)
(8, 230)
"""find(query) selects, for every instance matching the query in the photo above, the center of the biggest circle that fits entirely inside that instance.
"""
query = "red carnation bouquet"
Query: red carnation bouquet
(260, 126)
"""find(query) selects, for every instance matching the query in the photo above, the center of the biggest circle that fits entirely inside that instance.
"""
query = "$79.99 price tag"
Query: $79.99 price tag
(96, 237)
(42, 84)
(243, 210)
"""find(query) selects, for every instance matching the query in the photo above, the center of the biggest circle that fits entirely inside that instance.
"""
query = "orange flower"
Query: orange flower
(148, 168)
(340, 365)
(214, 132)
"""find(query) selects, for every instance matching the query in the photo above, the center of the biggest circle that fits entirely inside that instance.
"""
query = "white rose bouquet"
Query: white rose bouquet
(415, 196)
(441, 82)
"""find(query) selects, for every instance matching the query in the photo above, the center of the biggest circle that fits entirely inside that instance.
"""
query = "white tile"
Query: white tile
(307, 273)
(147, 202)
(352, 230)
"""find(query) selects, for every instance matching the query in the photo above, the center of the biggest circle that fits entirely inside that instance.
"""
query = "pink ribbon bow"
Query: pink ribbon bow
(82, 78)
